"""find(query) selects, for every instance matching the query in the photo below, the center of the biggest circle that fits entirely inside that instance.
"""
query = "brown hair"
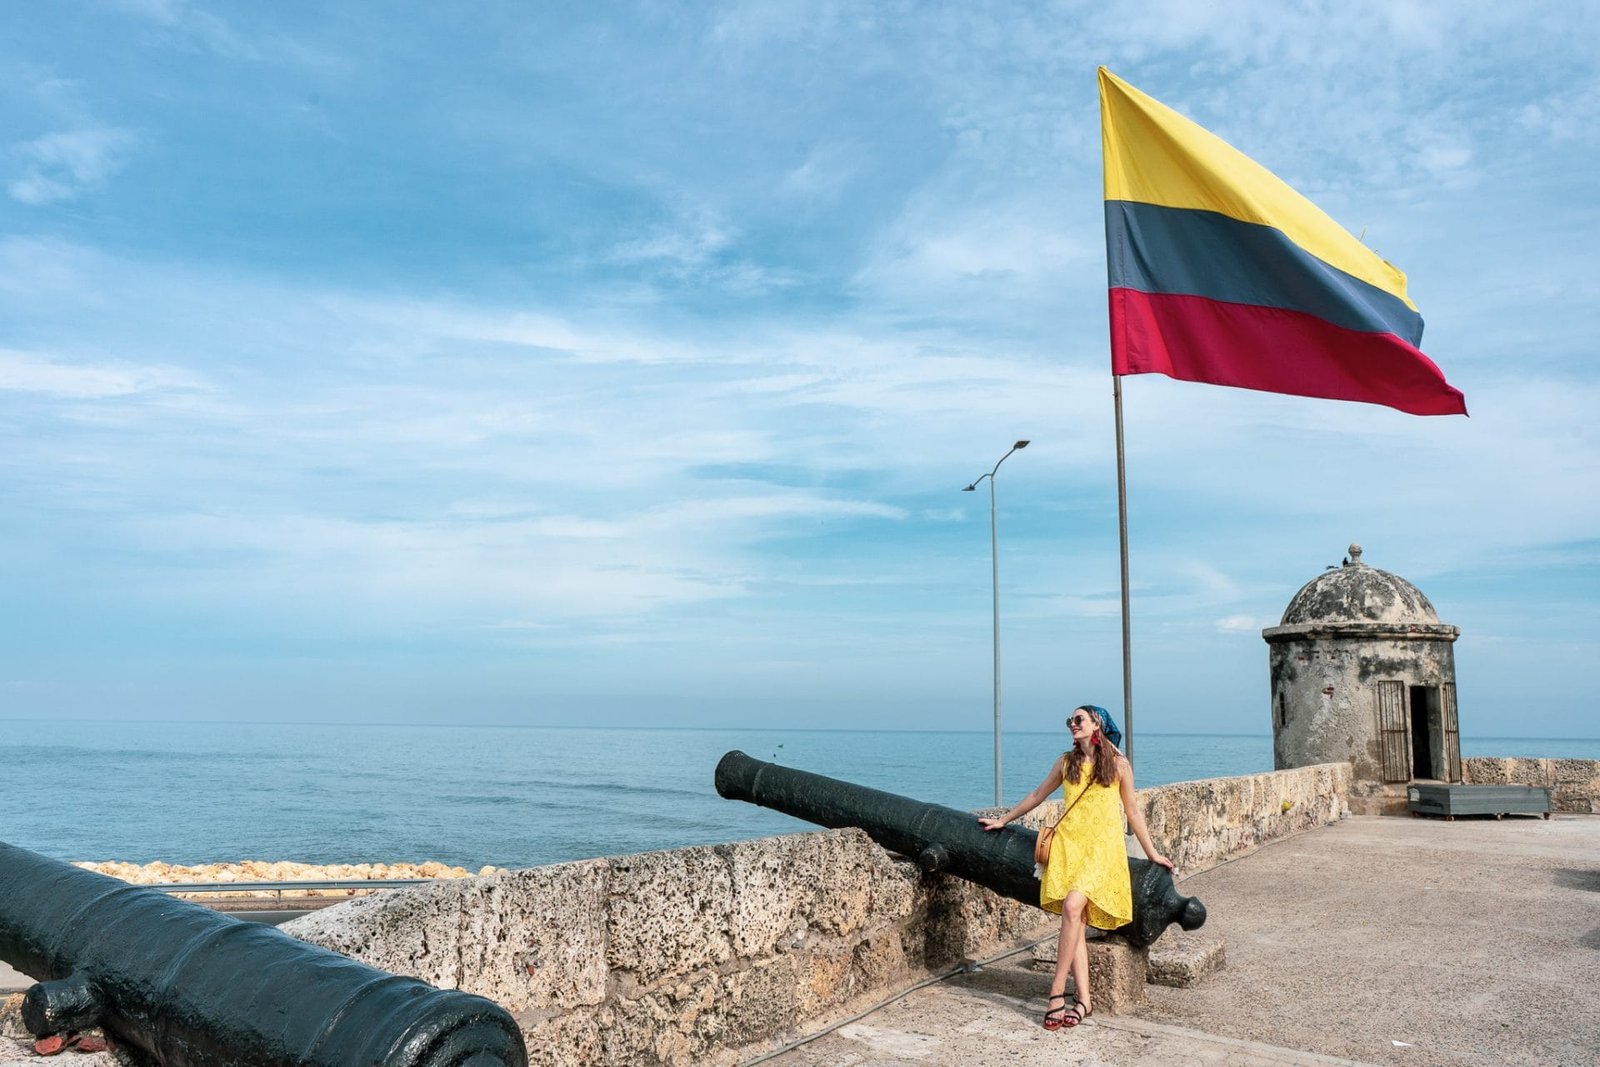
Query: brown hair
(1104, 754)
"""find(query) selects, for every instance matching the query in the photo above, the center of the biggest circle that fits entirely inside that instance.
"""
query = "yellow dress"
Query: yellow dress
(1088, 855)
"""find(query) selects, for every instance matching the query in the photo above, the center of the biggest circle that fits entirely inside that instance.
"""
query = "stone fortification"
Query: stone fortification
(1574, 784)
(674, 957)
(1204, 823)
(709, 955)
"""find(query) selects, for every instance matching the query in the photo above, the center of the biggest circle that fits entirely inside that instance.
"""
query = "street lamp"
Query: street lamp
(994, 559)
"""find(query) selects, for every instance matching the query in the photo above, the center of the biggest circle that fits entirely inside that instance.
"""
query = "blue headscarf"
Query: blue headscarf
(1108, 725)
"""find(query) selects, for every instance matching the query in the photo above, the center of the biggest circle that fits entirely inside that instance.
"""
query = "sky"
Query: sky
(623, 364)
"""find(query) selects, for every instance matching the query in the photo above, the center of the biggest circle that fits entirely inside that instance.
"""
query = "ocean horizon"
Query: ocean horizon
(189, 792)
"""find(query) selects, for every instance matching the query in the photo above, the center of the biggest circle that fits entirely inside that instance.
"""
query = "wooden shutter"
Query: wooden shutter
(1394, 740)
(1452, 733)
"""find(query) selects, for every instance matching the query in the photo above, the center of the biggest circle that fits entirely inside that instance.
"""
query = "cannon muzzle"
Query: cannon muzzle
(943, 839)
(189, 986)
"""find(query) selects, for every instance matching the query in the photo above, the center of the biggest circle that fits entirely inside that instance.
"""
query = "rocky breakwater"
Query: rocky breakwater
(160, 873)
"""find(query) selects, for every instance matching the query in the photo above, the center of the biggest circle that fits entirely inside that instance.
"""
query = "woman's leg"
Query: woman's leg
(1080, 966)
(1072, 953)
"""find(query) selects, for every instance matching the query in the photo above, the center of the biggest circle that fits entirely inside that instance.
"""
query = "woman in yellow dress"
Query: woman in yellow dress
(1086, 880)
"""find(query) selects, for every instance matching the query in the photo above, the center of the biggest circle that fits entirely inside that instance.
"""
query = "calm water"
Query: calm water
(513, 797)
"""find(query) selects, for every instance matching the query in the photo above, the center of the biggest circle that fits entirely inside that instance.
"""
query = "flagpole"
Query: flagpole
(1122, 536)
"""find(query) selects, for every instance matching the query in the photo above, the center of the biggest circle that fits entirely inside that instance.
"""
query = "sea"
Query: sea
(506, 796)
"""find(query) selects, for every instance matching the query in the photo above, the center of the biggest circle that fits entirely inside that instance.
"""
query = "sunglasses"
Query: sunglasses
(1081, 720)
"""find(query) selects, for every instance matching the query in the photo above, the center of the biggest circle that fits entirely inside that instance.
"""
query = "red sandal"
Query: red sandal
(1076, 1014)
(1055, 1018)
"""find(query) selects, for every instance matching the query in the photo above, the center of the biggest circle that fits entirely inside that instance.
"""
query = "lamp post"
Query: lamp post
(994, 561)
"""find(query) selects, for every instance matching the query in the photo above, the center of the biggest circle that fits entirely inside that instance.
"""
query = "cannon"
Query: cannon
(188, 986)
(944, 839)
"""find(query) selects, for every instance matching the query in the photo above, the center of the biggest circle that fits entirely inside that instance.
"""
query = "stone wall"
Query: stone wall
(1203, 823)
(681, 956)
(1574, 783)
(710, 955)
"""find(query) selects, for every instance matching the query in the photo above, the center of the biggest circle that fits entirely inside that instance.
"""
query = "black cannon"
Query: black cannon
(944, 839)
(189, 986)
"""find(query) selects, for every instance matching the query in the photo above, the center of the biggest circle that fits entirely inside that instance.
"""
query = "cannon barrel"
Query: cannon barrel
(189, 986)
(943, 839)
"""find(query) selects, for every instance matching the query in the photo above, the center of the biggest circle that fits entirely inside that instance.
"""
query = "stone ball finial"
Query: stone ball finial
(1355, 553)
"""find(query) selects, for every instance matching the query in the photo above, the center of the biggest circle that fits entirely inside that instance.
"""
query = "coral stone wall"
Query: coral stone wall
(680, 956)
(710, 955)
(1201, 824)
(1574, 783)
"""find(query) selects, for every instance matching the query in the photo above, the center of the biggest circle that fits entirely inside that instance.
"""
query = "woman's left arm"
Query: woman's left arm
(1130, 807)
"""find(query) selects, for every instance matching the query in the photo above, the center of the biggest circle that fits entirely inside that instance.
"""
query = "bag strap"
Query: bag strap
(1075, 800)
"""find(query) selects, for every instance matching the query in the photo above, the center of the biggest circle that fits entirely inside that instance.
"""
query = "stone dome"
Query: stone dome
(1358, 593)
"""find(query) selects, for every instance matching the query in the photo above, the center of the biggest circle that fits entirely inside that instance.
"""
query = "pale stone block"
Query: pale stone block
(884, 958)
(530, 939)
(965, 921)
(408, 931)
(824, 982)
(564, 1041)
(787, 889)
(675, 1026)
(669, 913)
(772, 893)
(758, 1003)
(1566, 771)
(1181, 958)
(1117, 972)
(896, 890)
(536, 938)
(842, 881)
(1575, 799)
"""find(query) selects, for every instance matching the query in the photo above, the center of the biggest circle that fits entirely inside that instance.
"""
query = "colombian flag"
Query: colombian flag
(1221, 273)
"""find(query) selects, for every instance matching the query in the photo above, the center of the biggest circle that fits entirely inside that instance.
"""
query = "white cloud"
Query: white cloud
(29, 373)
(1009, 249)
(691, 245)
(67, 164)
(826, 172)
(1571, 114)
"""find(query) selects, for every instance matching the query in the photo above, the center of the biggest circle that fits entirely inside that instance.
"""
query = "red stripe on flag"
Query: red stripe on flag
(1272, 350)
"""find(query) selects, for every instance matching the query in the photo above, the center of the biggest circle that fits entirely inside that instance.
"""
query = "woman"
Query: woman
(1086, 880)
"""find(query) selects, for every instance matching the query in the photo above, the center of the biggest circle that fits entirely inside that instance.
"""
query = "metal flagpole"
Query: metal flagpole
(994, 558)
(1122, 536)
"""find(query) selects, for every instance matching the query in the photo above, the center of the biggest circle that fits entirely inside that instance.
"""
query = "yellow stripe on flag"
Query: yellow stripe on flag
(1153, 155)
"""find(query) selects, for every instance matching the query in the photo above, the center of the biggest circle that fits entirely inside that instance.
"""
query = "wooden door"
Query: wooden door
(1394, 739)
(1452, 733)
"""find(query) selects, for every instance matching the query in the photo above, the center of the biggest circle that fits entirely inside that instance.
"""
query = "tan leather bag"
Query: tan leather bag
(1041, 846)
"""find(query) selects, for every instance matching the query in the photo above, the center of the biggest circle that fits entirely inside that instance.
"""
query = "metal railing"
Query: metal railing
(280, 888)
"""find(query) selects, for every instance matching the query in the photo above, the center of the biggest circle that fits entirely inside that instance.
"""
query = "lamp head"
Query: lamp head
(1020, 444)
(970, 488)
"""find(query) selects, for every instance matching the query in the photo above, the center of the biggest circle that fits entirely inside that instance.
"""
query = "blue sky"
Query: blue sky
(622, 364)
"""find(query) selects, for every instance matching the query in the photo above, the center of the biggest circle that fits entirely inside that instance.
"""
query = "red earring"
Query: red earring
(1097, 740)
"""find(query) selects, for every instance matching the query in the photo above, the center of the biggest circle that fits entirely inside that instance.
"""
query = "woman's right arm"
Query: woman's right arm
(1051, 783)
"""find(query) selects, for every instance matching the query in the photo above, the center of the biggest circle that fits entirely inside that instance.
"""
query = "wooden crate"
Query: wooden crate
(1497, 800)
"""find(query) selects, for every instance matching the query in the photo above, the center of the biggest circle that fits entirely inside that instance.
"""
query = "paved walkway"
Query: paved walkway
(1408, 942)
